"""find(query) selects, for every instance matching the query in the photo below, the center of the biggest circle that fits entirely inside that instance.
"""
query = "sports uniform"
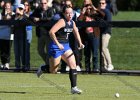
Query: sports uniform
(59, 46)
(63, 37)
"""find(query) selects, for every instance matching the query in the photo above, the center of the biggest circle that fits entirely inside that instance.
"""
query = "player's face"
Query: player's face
(68, 13)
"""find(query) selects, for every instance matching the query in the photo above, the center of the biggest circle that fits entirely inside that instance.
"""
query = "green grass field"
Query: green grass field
(124, 44)
(26, 86)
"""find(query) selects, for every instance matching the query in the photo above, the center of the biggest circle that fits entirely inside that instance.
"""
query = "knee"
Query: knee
(72, 66)
(104, 49)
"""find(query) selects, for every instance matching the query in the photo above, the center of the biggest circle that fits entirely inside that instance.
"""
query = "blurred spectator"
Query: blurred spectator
(27, 13)
(15, 4)
(106, 35)
(112, 6)
(43, 14)
(58, 10)
(91, 35)
(36, 4)
(5, 36)
(2, 4)
(20, 40)
(50, 3)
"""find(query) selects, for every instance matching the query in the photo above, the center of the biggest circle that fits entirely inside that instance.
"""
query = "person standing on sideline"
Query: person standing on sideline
(106, 35)
(5, 36)
(43, 14)
(90, 35)
(59, 46)
(112, 6)
(27, 13)
(19, 39)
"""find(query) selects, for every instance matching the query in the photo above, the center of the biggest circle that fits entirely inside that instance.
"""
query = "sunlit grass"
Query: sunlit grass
(26, 86)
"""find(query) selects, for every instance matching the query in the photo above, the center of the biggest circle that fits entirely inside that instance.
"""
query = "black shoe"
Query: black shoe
(17, 70)
(95, 70)
(25, 69)
(88, 70)
(45, 68)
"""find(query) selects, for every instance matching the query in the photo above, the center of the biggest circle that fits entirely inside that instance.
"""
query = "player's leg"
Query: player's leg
(54, 64)
(69, 57)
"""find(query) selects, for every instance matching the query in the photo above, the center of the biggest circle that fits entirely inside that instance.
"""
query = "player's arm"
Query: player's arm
(77, 35)
(60, 24)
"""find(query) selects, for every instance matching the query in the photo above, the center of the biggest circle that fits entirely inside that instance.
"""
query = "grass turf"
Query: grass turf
(26, 86)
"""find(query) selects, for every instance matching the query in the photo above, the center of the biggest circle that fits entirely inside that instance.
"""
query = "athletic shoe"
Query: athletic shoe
(1, 66)
(75, 90)
(39, 72)
(17, 70)
(78, 68)
(67, 68)
(6, 66)
(110, 67)
(105, 67)
(25, 69)
(96, 70)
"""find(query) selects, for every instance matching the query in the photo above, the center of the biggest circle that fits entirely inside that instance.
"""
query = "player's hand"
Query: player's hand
(61, 47)
(81, 46)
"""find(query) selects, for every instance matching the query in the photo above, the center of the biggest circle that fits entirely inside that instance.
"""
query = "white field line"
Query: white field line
(26, 85)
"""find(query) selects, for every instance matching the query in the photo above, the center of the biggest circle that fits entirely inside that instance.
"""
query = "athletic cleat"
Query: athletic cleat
(78, 68)
(96, 70)
(105, 67)
(1, 66)
(67, 68)
(110, 67)
(75, 90)
(39, 72)
(6, 66)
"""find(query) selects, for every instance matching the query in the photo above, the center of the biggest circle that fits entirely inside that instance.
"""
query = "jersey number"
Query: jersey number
(67, 36)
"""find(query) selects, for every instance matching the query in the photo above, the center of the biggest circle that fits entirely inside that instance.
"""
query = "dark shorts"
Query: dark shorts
(55, 52)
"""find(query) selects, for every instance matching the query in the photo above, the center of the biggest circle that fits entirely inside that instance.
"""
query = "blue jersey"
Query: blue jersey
(63, 34)
(63, 37)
